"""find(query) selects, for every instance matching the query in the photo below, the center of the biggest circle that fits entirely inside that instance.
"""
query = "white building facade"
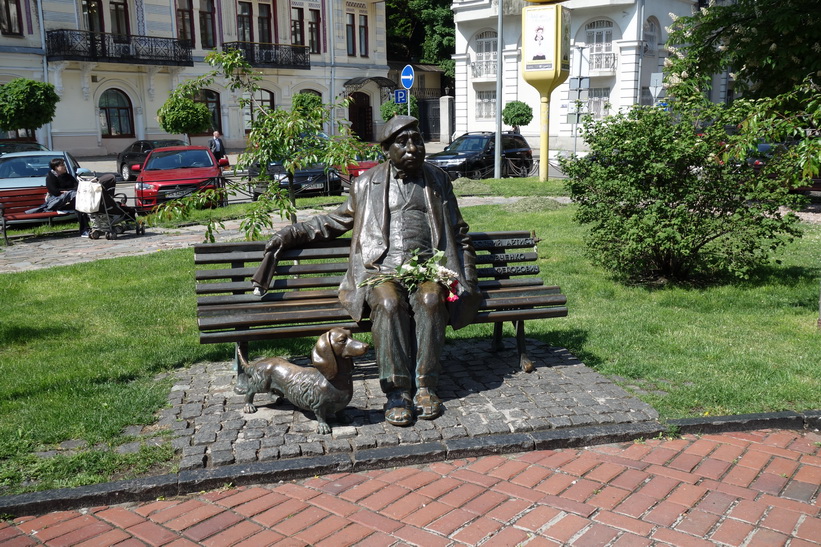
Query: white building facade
(114, 62)
(616, 46)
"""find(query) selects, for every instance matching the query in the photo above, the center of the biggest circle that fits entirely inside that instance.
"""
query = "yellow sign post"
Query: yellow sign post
(545, 60)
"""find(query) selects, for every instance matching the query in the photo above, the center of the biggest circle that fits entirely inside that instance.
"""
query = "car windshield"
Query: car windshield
(467, 143)
(164, 143)
(163, 160)
(24, 166)
(9, 147)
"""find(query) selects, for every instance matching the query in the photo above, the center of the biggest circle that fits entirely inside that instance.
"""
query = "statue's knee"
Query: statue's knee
(431, 300)
(388, 304)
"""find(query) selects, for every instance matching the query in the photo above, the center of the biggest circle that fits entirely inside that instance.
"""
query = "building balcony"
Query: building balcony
(261, 54)
(484, 70)
(81, 45)
(603, 64)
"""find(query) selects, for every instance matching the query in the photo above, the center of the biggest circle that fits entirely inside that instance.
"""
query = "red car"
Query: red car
(375, 157)
(175, 172)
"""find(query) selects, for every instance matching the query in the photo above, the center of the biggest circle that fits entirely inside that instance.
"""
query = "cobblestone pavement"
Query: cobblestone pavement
(757, 488)
(484, 395)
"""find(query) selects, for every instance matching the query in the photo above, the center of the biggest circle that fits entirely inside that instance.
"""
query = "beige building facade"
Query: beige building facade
(114, 62)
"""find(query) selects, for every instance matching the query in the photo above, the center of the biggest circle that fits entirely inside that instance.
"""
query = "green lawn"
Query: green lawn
(82, 347)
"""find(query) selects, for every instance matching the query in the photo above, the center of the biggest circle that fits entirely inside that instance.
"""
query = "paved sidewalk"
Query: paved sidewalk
(758, 488)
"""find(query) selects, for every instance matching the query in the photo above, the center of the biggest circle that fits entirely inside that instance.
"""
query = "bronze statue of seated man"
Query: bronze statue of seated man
(400, 210)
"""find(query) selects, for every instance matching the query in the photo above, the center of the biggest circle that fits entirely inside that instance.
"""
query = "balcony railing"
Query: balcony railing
(273, 55)
(485, 68)
(603, 62)
(81, 45)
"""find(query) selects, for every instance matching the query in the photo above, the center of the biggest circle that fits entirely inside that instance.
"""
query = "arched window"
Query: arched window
(486, 49)
(312, 92)
(651, 38)
(116, 114)
(600, 44)
(212, 101)
(262, 98)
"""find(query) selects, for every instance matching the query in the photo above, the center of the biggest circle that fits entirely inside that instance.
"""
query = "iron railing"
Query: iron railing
(272, 55)
(81, 45)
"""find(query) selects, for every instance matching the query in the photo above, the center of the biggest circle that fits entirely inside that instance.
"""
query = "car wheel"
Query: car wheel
(126, 173)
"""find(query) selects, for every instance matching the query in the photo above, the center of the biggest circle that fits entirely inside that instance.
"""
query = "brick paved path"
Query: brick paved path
(752, 488)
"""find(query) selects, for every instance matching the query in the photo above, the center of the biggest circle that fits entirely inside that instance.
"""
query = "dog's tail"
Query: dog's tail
(242, 361)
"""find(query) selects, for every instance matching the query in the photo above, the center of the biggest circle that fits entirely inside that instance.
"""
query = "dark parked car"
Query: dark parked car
(138, 151)
(317, 179)
(764, 152)
(27, 169)
(8, 147)
(472, 155)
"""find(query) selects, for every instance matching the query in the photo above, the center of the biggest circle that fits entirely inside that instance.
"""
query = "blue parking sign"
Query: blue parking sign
(400, 96)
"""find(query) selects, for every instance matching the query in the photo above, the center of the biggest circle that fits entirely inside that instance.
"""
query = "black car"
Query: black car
(137, 152)
(317, 179)
(472, 155)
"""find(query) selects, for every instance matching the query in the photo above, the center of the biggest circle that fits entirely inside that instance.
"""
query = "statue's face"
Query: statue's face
(407, 151)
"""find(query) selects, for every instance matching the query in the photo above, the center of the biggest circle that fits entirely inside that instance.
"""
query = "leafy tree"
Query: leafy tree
(389, 109)
(662, 203)
(421, 30)
(182, 114)
(769, 46)
(27, 104)
(517, 113)
(288, 136)
(306, 102)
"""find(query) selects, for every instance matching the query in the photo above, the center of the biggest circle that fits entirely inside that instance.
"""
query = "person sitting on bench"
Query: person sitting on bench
(62, 192)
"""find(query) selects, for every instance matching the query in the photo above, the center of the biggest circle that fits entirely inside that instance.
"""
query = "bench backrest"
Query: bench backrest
(504, 259)
(19, 200)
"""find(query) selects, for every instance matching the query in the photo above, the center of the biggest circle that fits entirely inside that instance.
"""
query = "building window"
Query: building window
(264, 23)
(93, 14)
(208, 33)
(212, 101)
(363, 35)
(485, 65)
(245, 28)
(116, 115)
(118, 9)
(262, 99)
(350, 33)
(11, 18)
(314, 39)
(651, 38)
(600, 44)
(185, 21)
(485, 105)
(297, 27)
(598, 101)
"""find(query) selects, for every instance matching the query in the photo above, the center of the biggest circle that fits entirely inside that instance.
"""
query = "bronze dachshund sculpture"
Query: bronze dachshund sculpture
(325, 388)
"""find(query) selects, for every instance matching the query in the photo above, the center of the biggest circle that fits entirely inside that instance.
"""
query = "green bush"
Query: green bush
(390, 109)
(663, 203)
(516, 114)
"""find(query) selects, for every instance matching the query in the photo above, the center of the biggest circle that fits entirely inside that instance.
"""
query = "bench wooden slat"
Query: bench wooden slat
(326, 309)
(315, 329)
(14, 202)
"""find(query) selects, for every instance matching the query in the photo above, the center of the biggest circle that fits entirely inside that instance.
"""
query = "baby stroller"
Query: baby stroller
(110, 216)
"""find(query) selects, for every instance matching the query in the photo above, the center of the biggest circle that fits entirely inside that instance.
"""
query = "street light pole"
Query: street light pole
(497, 159)
(580, 49)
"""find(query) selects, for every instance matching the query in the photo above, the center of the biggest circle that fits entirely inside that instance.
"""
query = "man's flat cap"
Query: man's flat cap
(395, 125)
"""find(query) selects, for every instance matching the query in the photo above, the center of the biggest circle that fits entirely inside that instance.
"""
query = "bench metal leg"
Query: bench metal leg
(524, 360)
(497, 344)
(240, 355)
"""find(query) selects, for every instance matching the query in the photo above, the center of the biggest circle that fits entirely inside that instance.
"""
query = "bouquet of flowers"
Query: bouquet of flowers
(416, 271)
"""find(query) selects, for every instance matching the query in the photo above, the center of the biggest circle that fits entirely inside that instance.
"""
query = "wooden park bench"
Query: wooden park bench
(302, 300)
(14, 203)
